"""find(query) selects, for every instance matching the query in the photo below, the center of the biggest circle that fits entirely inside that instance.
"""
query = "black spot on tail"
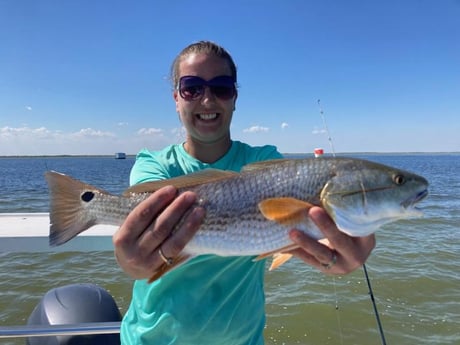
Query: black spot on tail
(87, 196)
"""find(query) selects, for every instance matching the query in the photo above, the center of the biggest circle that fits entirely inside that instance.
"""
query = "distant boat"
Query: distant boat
(120, 155)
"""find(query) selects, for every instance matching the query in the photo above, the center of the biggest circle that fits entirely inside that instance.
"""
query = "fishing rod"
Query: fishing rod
(326, 128)
(374, 305)
(369, 285)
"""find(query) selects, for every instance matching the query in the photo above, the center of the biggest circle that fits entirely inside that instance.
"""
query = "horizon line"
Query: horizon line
(283, 153)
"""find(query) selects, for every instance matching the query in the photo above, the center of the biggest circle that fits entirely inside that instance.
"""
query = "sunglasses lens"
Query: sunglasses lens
(223, 92)
(190, 93)
(192, 88)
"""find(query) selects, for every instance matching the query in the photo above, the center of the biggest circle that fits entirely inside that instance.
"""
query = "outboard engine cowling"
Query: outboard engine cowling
(72, 305)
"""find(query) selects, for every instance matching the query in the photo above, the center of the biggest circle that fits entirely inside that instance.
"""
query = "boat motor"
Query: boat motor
(76, 306)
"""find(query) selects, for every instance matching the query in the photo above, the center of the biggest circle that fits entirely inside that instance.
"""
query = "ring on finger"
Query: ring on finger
(332, 262)
(168, 261)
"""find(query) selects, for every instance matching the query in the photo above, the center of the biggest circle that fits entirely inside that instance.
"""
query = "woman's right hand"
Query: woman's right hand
(148, 230)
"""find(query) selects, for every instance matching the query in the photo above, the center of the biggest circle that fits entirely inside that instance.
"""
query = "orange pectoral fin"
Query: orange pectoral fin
(287, 211)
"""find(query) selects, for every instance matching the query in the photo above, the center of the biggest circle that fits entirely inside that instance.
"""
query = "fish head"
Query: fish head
(362, 196)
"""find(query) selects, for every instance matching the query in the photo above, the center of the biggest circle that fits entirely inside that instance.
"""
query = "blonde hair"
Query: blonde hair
(205, 47)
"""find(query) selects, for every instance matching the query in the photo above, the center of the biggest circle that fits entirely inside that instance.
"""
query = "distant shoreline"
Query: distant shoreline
(286, 154)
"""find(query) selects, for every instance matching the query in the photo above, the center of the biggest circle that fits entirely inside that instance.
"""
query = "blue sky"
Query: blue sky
(91, 77)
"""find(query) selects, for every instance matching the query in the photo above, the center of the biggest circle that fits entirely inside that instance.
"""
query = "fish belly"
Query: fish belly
(239, 240)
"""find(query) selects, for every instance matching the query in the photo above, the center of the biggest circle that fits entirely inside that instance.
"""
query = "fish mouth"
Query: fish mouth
(410, 202)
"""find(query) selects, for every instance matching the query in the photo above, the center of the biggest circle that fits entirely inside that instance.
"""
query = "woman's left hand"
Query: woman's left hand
(337, 253)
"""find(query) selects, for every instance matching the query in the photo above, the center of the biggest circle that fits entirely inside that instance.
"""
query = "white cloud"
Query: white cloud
(122, 124)
(92, 133)
(284, 125)
(150, 131)
(43, 141)
(29, 108)
(25, 140)
(8, 133)
(256, 129)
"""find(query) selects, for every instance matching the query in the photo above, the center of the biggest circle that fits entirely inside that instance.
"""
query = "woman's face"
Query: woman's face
(206, 119)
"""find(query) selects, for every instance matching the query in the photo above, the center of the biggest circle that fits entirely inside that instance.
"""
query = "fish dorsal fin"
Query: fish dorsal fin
(185, 181)
(256, 166)
(284, 210)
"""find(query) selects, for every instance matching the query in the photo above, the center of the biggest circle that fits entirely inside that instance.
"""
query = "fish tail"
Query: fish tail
(69, 199)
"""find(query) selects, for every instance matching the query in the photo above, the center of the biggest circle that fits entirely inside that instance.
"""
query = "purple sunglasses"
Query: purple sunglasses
(191, 88)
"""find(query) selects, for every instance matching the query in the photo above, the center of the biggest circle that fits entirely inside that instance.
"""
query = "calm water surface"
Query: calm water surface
(414, 270)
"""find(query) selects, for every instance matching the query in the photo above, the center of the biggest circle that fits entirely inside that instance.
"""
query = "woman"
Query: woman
(209, 299)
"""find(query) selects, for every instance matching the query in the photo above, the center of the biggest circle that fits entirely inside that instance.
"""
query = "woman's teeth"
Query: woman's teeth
(207, 116)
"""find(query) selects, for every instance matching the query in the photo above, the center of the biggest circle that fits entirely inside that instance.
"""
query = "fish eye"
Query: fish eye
(399, 179)
(87, 196)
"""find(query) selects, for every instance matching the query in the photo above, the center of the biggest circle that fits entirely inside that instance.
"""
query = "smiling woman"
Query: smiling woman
(178, 308)
(204, 77)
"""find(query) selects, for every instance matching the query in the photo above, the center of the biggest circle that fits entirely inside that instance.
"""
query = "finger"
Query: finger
(327, 226)
(305, 256)
(143, 214)
(311, 251)
(167, 221)
(174, 245)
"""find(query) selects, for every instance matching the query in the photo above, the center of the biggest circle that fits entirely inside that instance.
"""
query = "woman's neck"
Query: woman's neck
(207, 152)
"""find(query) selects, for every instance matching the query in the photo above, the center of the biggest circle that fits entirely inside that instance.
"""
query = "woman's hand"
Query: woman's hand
(146, 239)
(337, 253)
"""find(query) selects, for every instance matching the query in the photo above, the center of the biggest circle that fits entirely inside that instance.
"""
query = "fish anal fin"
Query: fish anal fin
(277, 251)
(185, 181)
(279, 259)
(177, 261)
(285, 210)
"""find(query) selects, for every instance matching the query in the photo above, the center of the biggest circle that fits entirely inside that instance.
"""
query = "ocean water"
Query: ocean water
(414, 270)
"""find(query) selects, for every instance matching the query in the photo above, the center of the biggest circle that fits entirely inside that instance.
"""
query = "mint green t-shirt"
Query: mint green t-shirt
(209, 299)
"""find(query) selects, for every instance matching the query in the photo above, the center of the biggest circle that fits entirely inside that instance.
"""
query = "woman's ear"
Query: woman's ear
(176, 99)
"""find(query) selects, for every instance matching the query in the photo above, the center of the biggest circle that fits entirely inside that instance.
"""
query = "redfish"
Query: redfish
(251, 212)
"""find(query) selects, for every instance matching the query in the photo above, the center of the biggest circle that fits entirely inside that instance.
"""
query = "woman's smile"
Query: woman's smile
(207, 117)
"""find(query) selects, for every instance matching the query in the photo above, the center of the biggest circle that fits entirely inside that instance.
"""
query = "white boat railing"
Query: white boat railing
(59, 330)
(28, 232)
